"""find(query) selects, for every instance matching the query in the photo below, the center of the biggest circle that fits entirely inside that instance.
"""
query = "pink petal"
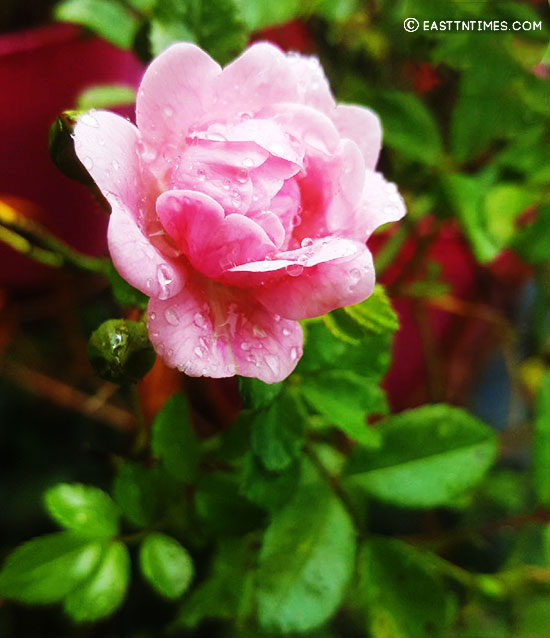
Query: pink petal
(176, 91)
(312, 82)
(380, 203)
(316, 290)
(210, 330)
(137, 261)
(260, 76)
(212, 241)
(363, 127)
(330, 192)
(107, 146)
(306, 125)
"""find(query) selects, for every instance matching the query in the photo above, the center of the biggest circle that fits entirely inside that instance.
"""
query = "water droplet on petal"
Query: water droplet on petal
(199, 352)
(294, 270)
(355, 275)
(306, 241)
(226, 184)
(153, 315)
(248, 162)
(277, 318)
(272, 363)
(89, 120)
(242, 176)
(259, 332)
(171, 316)
(245, 345)
(200, 320)
(296, 220)
(286, 332)
(168, 111)
(293, 354)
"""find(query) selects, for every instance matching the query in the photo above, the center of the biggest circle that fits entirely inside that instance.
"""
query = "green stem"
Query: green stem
(33, 240)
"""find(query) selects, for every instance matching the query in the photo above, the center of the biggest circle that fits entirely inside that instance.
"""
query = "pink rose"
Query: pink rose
(241, 203)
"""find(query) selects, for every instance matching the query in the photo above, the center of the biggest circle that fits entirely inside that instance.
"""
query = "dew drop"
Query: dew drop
(355, 275)
(201, 174)
(199, 352)
(259, 332)
(226, 184)
(248, 162)
(168, 111)
(306, 241)
(277, 318)
(171, 317)
(293, 354)
(242, 176)
(200, 320)
(245, 345)
(286, 332)
(153, 315)
(149, 283)
(294, 270)
(89, 120)
(169, 352)
(296, 220)
(272, 363)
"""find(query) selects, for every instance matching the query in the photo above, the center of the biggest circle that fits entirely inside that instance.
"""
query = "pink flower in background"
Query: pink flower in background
(241, 203)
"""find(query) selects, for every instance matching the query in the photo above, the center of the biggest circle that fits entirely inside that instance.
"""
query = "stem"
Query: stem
(35, 241)
(142, 433)
(334, 485)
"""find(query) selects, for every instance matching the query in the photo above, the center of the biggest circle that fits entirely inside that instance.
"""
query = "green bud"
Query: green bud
(61, 147)
(120, 351)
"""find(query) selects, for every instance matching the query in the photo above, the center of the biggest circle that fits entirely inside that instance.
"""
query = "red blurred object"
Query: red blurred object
(41, 73)
(292, 36)
(422, 76)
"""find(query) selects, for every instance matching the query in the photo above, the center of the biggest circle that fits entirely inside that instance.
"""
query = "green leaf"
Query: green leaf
(541, 442)
(83, 509)
(401, 593)
(266, 489)
(105, 96)
(428, 457)
(228, 591)
(45, 569)
(502, 206)
(256, 394)
(220, 509)
(123, 293)
(409, 126)
(345, 399)
(135, 493)
(532, 242)
(215, 25)
(166, 565)
(374, 315)
(323, 351)
(466, 196)
(259, 14)
(173, 440)
(306, 561)
(108, 18)
(104, 591)
(278, 433)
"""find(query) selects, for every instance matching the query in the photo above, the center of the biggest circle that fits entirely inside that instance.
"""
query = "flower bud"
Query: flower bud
(120, 351)
(61, 147)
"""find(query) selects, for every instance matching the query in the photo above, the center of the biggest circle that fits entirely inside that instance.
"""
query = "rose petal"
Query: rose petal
(361, 125)
(312, 82)
(107, 146)
(176, 90)
(380, 203)
(210, 330)
(212, 241)
(319, 289)
(137, 261)
(258, 77)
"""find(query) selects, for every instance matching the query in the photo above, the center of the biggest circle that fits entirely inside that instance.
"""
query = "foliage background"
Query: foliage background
(265, 511)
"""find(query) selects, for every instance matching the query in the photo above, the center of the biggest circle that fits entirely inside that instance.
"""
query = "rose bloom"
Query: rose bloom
(241, 203)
